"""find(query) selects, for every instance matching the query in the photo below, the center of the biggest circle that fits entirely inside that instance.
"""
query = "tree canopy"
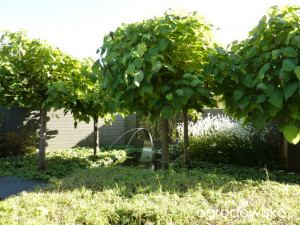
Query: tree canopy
(266, 73)
(35, 75)
(155, 67)
(85, 101)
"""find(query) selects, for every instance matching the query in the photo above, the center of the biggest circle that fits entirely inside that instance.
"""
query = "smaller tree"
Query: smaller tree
(85, 102)
(35, 75)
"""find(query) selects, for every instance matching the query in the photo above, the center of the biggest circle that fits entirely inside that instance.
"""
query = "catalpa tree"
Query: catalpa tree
(155, 68)
(266, 75)
(85, 102)
(35, 75)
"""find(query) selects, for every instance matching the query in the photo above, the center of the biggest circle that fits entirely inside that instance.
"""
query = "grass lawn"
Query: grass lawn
(101, 194)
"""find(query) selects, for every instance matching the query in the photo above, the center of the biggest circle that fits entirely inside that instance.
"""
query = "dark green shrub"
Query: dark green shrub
(220, 139)
(21, 142)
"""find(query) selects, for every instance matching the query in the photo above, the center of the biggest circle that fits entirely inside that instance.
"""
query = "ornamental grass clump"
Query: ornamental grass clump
(224, 140)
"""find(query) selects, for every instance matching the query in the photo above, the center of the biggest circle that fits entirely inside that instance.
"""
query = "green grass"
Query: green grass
(125, 195)
(59, 163)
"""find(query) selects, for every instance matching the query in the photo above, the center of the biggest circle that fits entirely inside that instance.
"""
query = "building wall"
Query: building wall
(60, 128)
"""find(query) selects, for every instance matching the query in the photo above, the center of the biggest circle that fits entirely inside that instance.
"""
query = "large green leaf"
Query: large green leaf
(138, 62)
(259, 121)
(156, 66)
(170, 68)
(203, 91)
(248, 80)
(268, 89)
(296, 115)
(59, 85)
(167, 112)
(187, 94)
(264, 69)
(179, 92)
(177, 103)
(275, 53)
(170, 97)
(289, 52)
(130, 69)
(290, 132)
(272, 110)
(297, 72)
(290, 89)
(288, 65)
(251, 53)
(141, 49)
(195, 82)
(165, 88)
(138, 77)
(296, 41)
(146, 89)
(276, 99)
(187, 75)
(261, 99)
(243, 102)
(163, 44)
(237, 94)
(219, 78)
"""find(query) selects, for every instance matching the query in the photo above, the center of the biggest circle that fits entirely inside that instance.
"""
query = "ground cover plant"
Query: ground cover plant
(60, 163)
(118, 195)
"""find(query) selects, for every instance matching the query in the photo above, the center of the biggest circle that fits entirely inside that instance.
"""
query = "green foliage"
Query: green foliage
(59, 163)
(21, 142)
(263, 79)
(33, 74)
(220, 139)
(85, 101)
(155, 67)
(118, 195)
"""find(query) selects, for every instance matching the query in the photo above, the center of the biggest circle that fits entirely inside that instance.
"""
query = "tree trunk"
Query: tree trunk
(165, 143)
(96, 136)
(186, 139)
(284, 154)
(42, 150)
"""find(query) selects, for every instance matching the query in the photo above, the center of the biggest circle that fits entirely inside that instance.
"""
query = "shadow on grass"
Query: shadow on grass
(27, 167)
(242, 173)
(57, 166)
(129, 181)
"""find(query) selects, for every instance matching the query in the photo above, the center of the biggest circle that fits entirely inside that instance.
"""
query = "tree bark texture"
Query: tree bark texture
(42, 150)
(96, 136)
(187, 157)
(165, 144)
(284, 154)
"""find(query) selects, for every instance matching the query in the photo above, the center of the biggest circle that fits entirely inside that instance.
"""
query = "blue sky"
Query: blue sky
(77, 26)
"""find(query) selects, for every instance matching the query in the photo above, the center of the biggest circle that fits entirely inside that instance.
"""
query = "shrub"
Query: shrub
(21, 142)
(221, 139)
